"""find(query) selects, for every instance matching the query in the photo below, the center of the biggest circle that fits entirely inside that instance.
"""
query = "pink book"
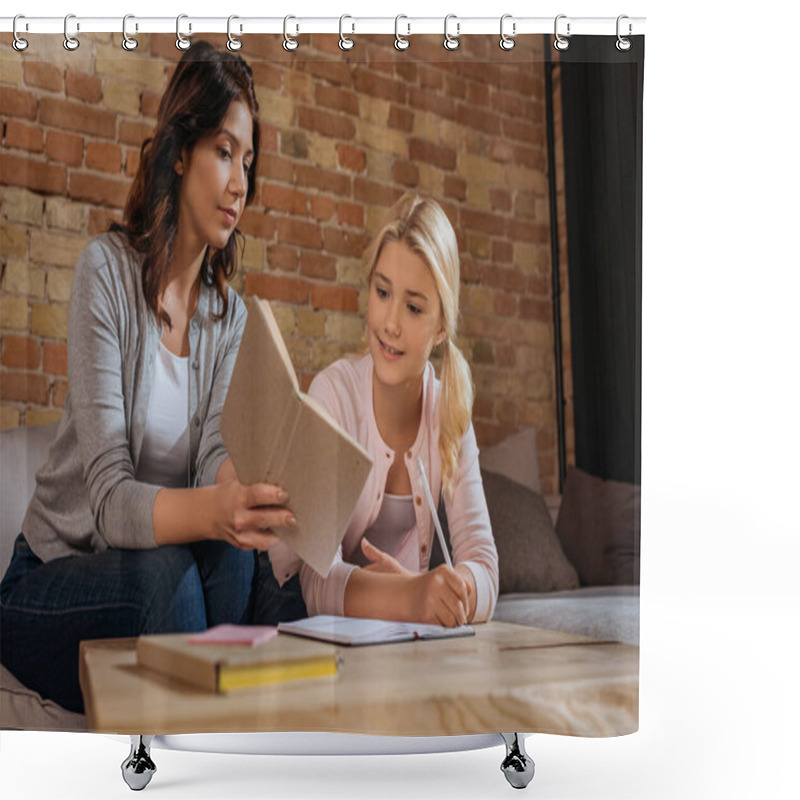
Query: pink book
(250, 635)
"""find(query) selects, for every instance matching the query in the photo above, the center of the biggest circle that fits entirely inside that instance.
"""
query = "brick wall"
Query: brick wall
(343, 135)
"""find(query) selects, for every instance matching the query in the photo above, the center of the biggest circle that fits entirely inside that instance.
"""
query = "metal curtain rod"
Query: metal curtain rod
(403, 25)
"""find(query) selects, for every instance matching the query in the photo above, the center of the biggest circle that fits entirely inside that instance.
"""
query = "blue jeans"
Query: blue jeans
(46, 609)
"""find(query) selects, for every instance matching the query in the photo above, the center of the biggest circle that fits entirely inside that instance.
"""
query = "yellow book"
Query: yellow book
(224, 668)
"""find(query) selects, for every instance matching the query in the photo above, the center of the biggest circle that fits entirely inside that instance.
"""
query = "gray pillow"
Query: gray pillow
(598, 524)
(529, 554)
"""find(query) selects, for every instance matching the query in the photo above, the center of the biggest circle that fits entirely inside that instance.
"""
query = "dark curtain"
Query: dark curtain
(602, 115)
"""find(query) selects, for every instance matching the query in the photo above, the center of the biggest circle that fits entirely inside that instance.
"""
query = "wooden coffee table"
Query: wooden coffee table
(505, 678)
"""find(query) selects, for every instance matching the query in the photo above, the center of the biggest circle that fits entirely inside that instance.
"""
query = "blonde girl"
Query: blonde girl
(391, 402)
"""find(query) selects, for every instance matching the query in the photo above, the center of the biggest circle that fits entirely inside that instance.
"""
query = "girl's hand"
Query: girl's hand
(440, 597)
(245, 514)
(380, 561)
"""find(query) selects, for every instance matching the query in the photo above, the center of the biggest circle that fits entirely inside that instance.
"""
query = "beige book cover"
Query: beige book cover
(276, 433)
(225, 668)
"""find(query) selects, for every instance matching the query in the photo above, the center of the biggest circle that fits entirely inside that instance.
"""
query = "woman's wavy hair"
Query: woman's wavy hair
(421, 224)
(204, 84)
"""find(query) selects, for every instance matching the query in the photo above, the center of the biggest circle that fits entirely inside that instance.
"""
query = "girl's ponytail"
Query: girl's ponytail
(455, 409)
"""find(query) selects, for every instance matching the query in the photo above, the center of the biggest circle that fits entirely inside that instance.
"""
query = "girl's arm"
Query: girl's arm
(474, 551)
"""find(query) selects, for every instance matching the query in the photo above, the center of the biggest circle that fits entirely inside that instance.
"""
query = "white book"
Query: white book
(355, 631)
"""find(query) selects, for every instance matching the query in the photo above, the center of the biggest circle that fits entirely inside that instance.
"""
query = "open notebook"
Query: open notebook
(354, 631)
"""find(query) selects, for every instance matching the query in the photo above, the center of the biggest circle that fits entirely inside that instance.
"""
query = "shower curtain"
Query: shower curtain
(534, 154)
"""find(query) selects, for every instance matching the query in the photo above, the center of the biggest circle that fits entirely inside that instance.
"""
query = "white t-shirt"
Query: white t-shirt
(164, 460)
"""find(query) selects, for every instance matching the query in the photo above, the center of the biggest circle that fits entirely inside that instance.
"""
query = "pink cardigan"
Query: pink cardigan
(344, 390)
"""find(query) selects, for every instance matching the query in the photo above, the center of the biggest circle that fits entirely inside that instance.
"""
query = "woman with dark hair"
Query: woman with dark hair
(138, 523)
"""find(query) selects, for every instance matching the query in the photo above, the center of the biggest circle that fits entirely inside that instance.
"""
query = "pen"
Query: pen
(428, 494)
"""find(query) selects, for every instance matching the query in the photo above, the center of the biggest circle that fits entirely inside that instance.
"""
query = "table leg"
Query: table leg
(138, 768)
(517, 766)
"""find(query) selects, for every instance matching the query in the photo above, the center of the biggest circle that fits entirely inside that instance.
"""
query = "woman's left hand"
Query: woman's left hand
(380, 561)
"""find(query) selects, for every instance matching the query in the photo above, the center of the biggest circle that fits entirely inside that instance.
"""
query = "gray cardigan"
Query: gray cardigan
(86, 497)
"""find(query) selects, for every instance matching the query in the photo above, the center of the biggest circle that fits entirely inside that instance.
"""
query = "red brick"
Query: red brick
(20, 352)
(510, 280)
(505, 305)
(100, 220)
(377, 85)
(317, 265)
(284, 198)
(257, 223)
(25, 387)
(484, 122)
(477, 94)
(335, 71)
(274, 168)
(405, 172)
(521, 231)
(17, 103)
(74, 116)
(60, 389)
(336, 298)
(338, 99)
(406, 71)
(471, 219)
(455, 187)
(322, 208)
(268, 138)
(430, 77)
(34, 175)
(298, 231)
(436, 154)
(500, 199)
(455, 86)
(55, 358)
(350, 214)
(134, 133)
(24, 137)
(132, 158)
(373, 193)
(42, 75)
(150, 102)
(435, 102)
(531, 308)
(84, 86)
(96, 189)
(334, 126)
(520, 129)
(271, 287)
(505, 354)
(282, 258)
(267, 76)
(344, 243)
(531, 157)
(104, 156)
(502, 251)
(323, 180)
(401, 119)
(64, 147)
(351, 158)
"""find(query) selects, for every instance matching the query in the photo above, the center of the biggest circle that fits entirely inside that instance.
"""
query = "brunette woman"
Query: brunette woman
(138, 523)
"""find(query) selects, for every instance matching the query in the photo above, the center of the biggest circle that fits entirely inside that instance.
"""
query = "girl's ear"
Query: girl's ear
(178, 166)
(440, 337)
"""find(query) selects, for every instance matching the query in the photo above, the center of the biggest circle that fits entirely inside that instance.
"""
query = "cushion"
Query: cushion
(529, 554)
(598, 524)
(516, 458)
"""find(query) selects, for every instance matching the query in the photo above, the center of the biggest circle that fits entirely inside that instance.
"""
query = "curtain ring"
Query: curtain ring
(507, 42)
(182, 43)
(128, 42)
(234, 44)
(561, 42)
(451, 42)
(623, 44)
(344, 42)
(400, 42)
(19, 44)
(289, 43)
(70, 42)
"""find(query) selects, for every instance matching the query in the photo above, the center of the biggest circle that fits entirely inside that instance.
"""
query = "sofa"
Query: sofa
(567, 563)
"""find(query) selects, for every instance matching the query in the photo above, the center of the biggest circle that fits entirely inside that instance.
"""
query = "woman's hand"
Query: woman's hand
(440, 597)
(380, 561)
(245, 514)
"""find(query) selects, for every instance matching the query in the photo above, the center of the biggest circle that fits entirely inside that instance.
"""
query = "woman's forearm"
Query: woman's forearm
(377, 595)
(186, 515)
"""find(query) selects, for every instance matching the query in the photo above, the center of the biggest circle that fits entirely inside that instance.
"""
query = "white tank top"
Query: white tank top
(393, 531)
(164, 459)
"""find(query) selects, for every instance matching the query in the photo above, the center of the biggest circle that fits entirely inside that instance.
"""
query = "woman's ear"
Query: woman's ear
(178, 167)
(440, 337)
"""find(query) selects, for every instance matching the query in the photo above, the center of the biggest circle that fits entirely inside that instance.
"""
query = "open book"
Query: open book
(356, 631)
(277, 434)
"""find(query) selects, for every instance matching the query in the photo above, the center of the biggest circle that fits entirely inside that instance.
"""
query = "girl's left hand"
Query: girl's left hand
(380, 561)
